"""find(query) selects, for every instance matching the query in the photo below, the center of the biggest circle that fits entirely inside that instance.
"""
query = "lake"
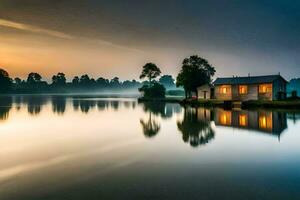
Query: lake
(56, 147)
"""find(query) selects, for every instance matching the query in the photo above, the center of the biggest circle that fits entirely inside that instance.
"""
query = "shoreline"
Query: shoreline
(284, 104)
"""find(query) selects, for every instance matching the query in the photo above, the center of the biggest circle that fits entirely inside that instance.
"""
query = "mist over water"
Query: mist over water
(88, 147)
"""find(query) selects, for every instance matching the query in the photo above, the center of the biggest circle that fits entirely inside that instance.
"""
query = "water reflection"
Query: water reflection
(5, 106)
(151, 126)
(96, 141)
(59, 105)
(270, 122)
(196, 126)
(164, 110)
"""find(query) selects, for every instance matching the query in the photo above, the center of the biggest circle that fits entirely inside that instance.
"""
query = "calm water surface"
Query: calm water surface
(92, 148)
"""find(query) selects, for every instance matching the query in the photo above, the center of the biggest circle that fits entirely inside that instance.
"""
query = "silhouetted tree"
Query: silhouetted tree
(102, 82)
(195, 72)
(150, 71)
(59, 79)
(115, 82)
(75, 81)
(85, 80)
(18, 81)
(34, 78)
(5, 81)
(156, 90)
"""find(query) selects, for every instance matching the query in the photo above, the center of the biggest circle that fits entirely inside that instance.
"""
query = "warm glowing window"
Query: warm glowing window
(243, 120)
(243, 89)
(265, 88)
(224, 89)
(265, 121)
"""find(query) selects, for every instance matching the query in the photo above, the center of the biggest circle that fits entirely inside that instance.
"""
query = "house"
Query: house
(271, 87)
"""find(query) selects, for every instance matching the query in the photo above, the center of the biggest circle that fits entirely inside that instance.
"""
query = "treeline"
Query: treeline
(34, 83)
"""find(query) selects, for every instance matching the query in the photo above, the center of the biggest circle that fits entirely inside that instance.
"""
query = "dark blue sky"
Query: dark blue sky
(117, 37)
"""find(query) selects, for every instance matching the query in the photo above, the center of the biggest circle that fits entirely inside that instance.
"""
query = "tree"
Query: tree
(151, 71)
(102, 82)
(75, 81)
(59, 79)
(195, 72)
(115, 83)
(18, 81)
(5, 81)
(167, 81)
(34, 78)
(155, 91)
(85, 80)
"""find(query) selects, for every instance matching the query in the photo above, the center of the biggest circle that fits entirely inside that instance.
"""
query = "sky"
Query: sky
(111, 38)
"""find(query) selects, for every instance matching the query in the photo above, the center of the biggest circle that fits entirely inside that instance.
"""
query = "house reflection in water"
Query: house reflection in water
(264, 121)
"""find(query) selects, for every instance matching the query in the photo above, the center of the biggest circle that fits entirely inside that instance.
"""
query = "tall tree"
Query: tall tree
(5, 81)
(195, 72)
(151, 71)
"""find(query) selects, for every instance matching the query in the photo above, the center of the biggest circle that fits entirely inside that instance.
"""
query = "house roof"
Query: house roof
(247, 80)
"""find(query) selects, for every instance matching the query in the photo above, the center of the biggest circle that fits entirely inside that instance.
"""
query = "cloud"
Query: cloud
(34, 29)
(57, 34)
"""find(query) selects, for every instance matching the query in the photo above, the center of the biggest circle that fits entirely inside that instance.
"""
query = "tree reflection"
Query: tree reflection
(195, 130)
(5, 106)
(59, 105)
(34, 104)
(86, 105)
(150, 127)
(165, 110)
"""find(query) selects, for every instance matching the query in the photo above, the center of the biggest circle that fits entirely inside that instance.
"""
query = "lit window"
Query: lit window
(243, 120)
(243, 89)
(224, 90)
(265, 88)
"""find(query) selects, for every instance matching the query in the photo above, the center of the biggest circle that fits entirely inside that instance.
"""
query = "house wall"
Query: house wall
(252, 93)
(206, 89)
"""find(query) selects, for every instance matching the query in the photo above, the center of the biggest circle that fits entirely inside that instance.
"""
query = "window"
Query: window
(243, 120)
(224, 89)
(265, 88)
(243, 89)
